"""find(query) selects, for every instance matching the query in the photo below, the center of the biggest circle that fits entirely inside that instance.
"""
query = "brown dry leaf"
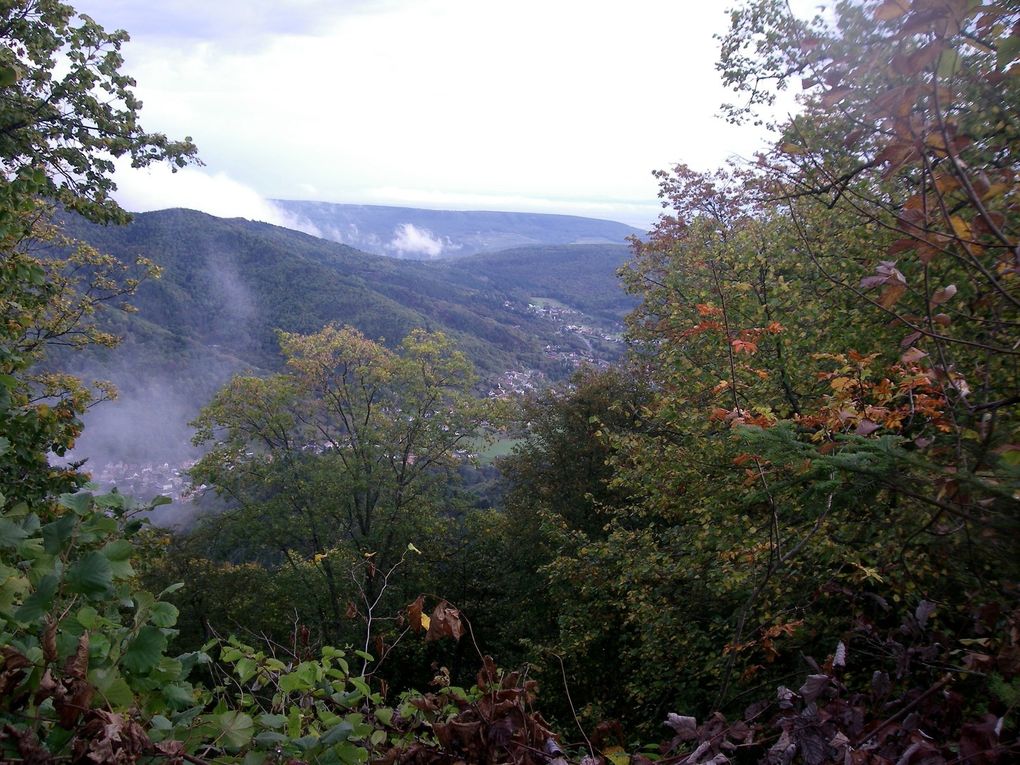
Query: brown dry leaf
(834, 96)
(77, 665)
(913, 356)
(865, 428)
(414, 614)
(110, 737)
(891, 295)
(49, 641)
(47, 687)
(445, 622)
(926, 252)
(940, 296)
(70, 709)
(488, 675)
(686, 727)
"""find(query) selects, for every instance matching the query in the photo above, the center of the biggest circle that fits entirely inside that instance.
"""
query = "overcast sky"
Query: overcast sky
(539, 105)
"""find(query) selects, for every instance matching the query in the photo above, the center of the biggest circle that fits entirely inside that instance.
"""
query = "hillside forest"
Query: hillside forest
(781, 527)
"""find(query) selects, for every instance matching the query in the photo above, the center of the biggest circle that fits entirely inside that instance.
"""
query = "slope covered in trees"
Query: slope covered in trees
(226, 287)
(232, 282)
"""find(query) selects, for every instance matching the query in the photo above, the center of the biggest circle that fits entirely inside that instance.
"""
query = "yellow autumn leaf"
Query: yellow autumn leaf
(960, 227)
(426, 621)
(996, 189)
(868, 572)
(616, 755)
(319, 557)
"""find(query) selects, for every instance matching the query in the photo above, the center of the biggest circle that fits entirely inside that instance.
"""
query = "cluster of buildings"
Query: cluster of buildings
(145, 480)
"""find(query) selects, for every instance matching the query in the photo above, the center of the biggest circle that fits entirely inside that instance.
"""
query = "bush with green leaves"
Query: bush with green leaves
(86, 674)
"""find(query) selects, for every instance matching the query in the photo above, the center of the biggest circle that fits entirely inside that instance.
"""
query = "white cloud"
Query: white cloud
(409, 239)
(562, 106)
(158, 188)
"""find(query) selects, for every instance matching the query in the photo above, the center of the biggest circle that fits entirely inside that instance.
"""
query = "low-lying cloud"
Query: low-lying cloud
(159, 188)
(408, 239)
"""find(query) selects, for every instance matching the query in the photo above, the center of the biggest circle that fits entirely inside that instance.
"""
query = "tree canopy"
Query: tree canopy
(66, 108)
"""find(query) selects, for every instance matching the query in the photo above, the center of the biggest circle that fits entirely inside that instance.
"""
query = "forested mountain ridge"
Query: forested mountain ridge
(229, 283)
(227, 286)
(414, 233)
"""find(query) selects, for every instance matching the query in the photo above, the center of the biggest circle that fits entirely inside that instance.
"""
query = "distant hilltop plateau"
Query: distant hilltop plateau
(417, 234)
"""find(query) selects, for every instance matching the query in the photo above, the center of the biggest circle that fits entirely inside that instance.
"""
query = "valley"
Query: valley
(526, 317)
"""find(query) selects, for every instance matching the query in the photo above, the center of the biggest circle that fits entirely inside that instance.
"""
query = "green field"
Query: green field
(488, 452)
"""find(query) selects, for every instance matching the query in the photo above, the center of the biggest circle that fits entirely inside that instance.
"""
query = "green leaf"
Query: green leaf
(145, 650)
(80, 503)
(236, 728)
(269, 738)
(190, 660)
(112, 501)
(8, 76)
(294, 722)
(272, 721)
(40, 601)
(168, 670)
(179, 695)
(350, 754)
(112, 687)
(170, 590)
(4, 445)
(11, 533)
(1007, 51)
(303, 678)
(245, 669)
(56, 534)
(118, 550)
(336, 734)
(949, 62)
(361, 685)
(164, 614)
(58, 738)
(91, 576)
(88, 617)
(306, 742)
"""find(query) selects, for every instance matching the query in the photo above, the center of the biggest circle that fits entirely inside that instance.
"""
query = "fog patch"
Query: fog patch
(147, 422)
(408, 239)
(236, 309)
